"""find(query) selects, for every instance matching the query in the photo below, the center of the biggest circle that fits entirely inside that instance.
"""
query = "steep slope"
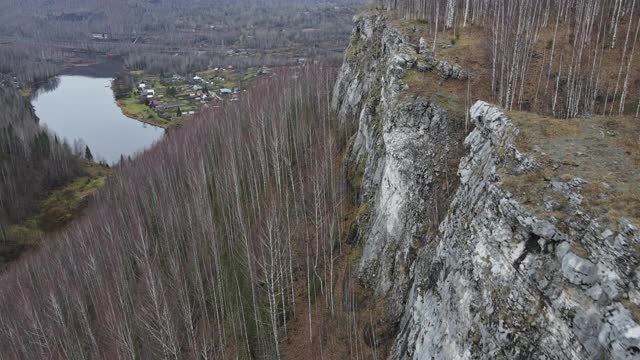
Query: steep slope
(466, 268)
(32, 161)
(501, 280)
(402, 156)
(205, 246)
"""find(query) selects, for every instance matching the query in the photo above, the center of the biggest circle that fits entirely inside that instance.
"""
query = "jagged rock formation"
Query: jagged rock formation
(503, 283)
(466, 270)
(396, 140)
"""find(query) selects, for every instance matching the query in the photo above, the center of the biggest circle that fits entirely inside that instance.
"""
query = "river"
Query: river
(83, 108)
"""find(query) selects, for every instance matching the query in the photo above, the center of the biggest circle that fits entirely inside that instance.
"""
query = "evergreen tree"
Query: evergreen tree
(87, 153)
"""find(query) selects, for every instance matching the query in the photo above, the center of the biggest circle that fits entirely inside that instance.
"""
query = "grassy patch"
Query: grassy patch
(633, 309)
(133, 108)
(26, 92)
(603, 151)
(60, 206)
(446, 93)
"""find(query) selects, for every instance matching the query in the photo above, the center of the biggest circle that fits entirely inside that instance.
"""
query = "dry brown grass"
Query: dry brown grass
(451, 93)
(633, 308)
(471, 50)
(604, 151)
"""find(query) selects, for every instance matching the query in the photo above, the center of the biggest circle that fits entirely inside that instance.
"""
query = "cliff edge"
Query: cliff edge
(468, 264)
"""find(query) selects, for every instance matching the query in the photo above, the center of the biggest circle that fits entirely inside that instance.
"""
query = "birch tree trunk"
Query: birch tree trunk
(450, 13)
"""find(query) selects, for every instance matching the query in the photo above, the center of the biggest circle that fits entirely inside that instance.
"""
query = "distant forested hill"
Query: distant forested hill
(173, 35)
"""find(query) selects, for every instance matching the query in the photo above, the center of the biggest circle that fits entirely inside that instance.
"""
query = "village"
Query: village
(162, 100)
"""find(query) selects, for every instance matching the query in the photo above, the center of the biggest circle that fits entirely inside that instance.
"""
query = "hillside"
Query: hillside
(32, 162)
(39, 38)
(201, 246)
(454, 191)
(485, 237)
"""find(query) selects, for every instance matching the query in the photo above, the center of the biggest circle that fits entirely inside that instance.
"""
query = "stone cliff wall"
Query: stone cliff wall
(500, 282)
(399, 156)
(464, 269)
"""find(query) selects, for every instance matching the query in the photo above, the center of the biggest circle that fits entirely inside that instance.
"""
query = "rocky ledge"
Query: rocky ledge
(465, 270)
(500, 282)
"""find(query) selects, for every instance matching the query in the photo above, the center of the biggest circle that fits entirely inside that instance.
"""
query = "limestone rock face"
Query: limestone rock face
(465, 270)
(398, 155)
(501, 283)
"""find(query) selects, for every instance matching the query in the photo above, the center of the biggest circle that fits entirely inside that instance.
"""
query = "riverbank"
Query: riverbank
(133, 109)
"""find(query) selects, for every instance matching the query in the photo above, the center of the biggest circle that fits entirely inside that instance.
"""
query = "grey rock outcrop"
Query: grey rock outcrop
(465, 270)
(502, 283)
(400, 154)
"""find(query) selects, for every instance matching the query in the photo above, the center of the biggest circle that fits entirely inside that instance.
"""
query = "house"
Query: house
(196, 87)
(226, 91)
(100, 36)
(230, 67)
(156, 105)
(142, 86)
(197, 78)
(147, 92)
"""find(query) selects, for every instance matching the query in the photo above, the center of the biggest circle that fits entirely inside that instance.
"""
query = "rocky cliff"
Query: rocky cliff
(401, 156)
(465, 269)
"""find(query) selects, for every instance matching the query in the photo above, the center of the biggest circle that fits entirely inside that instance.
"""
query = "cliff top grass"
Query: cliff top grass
(464, 47)
(449, 93)
(469, 47)
(602, 151)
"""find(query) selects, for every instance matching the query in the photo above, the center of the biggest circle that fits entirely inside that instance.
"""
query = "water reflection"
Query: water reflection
(83, 108)
(45, 87)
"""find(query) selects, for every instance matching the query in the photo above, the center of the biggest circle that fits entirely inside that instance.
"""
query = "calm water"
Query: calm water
(83, 108)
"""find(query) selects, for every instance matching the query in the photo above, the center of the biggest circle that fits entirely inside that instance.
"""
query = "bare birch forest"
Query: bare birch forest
(203, 247)
(584, 51)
